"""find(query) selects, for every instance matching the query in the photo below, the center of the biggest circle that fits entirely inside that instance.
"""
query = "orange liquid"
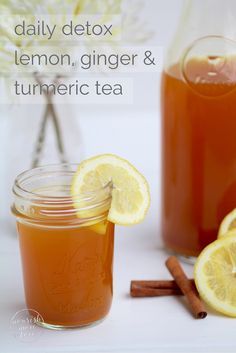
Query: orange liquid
(199, 154)
(67, 272)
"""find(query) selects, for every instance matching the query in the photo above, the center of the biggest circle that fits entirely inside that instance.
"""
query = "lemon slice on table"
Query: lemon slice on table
(215, 275)
(130, 192)
(228, 225)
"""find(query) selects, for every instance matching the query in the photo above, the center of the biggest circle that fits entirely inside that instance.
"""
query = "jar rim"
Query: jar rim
(37, 187)
(21, 191)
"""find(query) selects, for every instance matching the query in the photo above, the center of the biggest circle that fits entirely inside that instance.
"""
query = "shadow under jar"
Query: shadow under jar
(66, 247)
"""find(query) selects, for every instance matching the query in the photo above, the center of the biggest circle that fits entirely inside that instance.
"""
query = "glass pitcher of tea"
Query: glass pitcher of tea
(199, 126)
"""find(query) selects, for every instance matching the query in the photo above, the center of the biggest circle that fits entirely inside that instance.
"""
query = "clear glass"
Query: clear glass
(20, 130)
(66, 247)
(198, 126)
(199, 19)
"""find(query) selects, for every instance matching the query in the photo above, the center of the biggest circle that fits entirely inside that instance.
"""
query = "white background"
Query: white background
(132, 131)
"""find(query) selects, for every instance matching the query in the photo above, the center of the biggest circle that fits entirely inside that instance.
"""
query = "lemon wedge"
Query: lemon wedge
(130, 197)
(215, 275)
(228, 225)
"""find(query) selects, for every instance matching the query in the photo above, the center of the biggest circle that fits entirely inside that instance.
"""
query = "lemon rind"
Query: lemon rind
(224, 226)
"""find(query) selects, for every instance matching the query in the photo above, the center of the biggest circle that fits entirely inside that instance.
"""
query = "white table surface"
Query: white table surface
(134, 324)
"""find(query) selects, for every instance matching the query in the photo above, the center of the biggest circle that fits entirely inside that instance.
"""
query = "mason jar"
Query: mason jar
(66, 245)
(198, 126)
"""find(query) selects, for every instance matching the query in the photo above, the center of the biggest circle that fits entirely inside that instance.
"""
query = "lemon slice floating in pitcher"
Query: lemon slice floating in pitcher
(228, 225)
(130, 192)
(215, 275)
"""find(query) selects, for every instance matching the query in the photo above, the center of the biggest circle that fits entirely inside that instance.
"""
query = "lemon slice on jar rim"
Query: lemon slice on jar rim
(130, 197)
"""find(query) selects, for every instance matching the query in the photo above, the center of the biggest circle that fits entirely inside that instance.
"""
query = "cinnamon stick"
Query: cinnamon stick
(145, 291)
(186, 287)
(158, 284)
